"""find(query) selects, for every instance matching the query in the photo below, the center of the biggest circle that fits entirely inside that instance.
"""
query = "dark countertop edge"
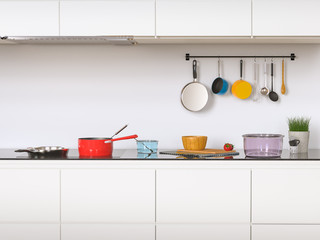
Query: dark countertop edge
(129, 155)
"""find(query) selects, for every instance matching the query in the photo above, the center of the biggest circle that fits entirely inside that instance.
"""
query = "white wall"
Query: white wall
(51, 94)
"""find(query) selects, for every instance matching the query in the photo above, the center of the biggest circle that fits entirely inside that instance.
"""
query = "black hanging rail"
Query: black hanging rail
(292, 56)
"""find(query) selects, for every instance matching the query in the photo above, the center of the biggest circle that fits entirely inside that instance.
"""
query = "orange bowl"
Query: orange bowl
(195, 143)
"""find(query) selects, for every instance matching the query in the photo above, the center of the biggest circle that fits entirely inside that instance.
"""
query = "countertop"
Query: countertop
(131, 154)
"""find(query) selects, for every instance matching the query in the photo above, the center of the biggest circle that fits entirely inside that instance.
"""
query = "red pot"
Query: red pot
(98, 147)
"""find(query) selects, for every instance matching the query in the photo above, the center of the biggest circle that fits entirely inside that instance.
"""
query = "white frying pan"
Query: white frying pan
(194, 96)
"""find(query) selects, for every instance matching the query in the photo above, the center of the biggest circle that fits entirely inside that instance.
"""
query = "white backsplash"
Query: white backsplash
(53, 94)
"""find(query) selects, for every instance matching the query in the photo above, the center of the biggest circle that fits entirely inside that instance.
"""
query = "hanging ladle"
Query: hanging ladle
(265, 90)
(273, 95)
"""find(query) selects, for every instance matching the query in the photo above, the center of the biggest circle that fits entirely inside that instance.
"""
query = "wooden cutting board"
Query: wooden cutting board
(205, 151)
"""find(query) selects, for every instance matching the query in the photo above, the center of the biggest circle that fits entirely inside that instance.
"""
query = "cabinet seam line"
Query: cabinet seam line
(250, 204)
(155, 204)
(251, 18)
(155, 19)
(60, 203)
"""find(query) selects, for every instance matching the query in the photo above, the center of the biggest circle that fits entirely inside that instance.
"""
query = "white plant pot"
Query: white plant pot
(304, 140)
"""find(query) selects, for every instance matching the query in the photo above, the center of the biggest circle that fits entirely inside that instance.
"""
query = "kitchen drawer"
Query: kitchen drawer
(286, 196)
(108, 196)
(107, 231)
(203, 231)
(286, 232)
(29, 195)
(203, 196)
(29, 231)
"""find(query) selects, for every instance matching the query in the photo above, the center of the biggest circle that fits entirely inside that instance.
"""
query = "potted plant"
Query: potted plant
(299, 129)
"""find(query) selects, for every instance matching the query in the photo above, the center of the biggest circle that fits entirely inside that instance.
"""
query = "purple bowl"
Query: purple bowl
(263, 145)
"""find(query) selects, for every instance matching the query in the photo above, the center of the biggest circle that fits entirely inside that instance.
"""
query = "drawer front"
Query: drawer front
(203, 196)
(107, 231)
(108, 196)
(286, 196)
(203, 231)
(286, 232)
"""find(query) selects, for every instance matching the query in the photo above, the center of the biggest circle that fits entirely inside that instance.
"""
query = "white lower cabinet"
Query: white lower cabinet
(107, 231)
(29, 231)
(203, 231)
(29, 196)
(108, 196)
(286, 232)
(203, 196)
(286, 196)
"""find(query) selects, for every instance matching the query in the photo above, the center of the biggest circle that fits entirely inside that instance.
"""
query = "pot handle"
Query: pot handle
(122, 138)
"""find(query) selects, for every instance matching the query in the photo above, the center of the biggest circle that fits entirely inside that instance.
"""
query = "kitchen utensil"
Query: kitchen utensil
(98, 147)
(194, 96)
(283, 87)
(147, 146)
(263, 145)
(119, 131)
(194, 142)
(273, 95)
(205, 151)
(255, 85)
(197, 155)
(265, 90)
(45, 152)
(241, 88)
(219, 85)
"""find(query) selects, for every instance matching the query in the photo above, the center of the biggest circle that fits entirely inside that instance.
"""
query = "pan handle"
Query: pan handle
(23, 150)
(272, 76)
(241, 63)
(194, 69)
(122, 138)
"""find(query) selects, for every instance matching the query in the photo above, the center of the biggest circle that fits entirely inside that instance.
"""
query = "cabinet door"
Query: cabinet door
(286, 196)
(284, 232)
(107, 17)
(108, 196)
(108, 231)
(203, 231)
(29, 18)
(203, 17)
(286, 17)
(203, 196)
(30, 231)
(29, 195)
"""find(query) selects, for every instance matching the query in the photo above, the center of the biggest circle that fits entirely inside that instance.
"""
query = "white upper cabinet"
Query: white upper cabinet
(29, 18)
(286, 17)
(117, 17)
(203, 196)
(203, 18)
(286, 196)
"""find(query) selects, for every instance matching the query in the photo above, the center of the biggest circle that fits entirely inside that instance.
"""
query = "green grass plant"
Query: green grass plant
(299, 124)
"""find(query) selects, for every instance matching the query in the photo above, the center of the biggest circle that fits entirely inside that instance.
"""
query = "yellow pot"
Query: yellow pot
(241, 89)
